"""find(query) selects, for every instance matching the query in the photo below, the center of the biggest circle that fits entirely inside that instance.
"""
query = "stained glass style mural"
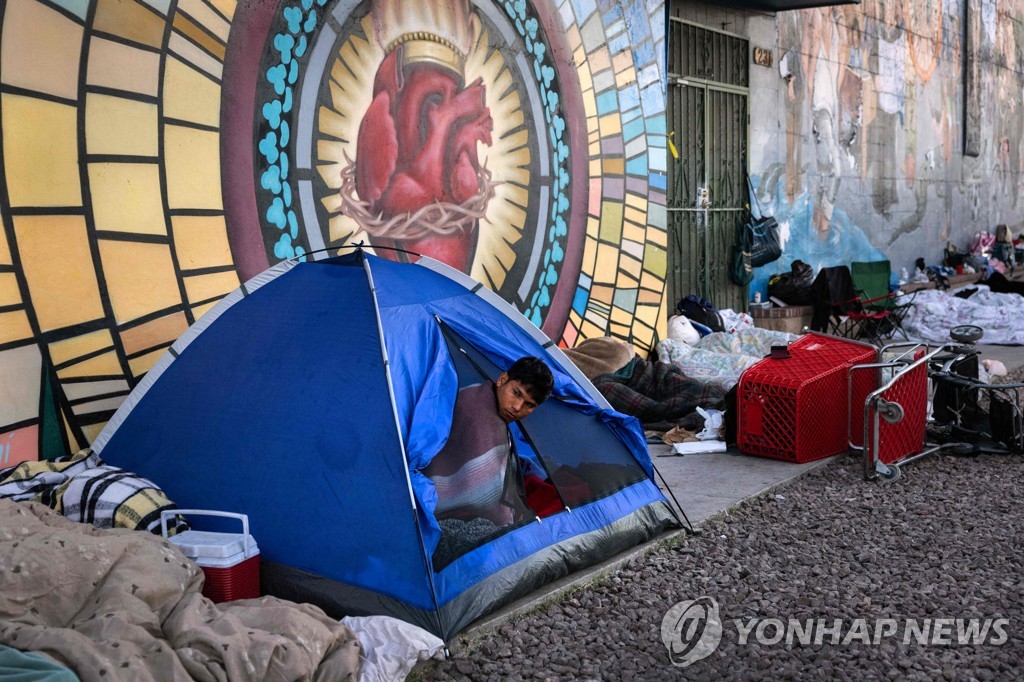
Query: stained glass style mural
(157, 154)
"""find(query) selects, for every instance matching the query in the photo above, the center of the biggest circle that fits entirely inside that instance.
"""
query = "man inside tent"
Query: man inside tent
(479, 473)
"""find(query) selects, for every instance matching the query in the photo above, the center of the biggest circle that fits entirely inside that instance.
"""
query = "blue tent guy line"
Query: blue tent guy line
(311, 399)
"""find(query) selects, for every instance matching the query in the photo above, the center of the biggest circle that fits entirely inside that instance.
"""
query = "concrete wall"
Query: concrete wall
(155, 153)
(858, 128)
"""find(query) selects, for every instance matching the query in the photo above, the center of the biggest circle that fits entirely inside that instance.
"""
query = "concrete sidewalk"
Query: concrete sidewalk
(705, 485)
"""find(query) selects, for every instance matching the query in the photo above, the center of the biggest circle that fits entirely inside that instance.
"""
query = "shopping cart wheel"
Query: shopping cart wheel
(966, 333)
(891, 412)
(887, 473)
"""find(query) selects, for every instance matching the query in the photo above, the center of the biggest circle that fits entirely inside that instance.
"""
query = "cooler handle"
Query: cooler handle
(206, 512)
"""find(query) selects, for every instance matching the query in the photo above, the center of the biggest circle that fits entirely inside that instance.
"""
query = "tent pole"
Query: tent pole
(428, 564)
(688, 527)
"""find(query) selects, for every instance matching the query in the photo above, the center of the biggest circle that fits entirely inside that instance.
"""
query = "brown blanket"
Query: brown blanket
(600, 355)
(127, 605)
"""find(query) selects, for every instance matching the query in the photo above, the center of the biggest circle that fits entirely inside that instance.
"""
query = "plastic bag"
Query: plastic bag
(713, 422)
(793, 287)
(680, 329)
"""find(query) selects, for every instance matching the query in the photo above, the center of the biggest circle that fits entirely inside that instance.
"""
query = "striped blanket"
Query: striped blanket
(657, 391)
(84, 489)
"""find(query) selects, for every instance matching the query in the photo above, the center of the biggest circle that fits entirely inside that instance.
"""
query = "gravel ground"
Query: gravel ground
(945, 541)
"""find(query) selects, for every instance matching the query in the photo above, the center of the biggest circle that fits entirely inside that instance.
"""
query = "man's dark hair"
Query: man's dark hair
(532, 373)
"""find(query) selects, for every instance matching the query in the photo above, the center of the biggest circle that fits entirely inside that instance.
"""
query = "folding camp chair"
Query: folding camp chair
(871, 279)
(839, 310)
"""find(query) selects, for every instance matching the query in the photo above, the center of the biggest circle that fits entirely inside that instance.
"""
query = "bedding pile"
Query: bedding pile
(123, 605)
(720, 358)
(935, 312)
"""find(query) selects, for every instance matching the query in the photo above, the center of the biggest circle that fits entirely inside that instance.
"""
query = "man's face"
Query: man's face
(514, 401)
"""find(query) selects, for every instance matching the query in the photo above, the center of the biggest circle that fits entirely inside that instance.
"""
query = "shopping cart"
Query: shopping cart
(930, 399)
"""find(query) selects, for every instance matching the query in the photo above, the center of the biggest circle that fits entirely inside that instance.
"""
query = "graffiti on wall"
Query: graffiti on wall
(875, 129)
(156, 154)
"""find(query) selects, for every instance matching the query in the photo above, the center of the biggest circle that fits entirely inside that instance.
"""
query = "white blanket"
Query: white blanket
(935, 312)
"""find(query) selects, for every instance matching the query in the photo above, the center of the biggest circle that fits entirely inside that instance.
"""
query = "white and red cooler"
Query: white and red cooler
(230, 561)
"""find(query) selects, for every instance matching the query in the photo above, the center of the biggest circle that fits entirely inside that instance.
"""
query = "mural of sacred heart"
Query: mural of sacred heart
(441, 129)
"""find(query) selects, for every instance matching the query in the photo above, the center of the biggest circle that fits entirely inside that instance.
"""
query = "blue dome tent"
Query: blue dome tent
(312, 398)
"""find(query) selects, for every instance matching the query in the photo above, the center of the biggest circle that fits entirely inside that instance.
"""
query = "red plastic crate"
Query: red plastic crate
(797, 409)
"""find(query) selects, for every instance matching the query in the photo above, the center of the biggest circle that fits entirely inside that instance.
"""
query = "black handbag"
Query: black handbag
(762, 233)
(741, 271)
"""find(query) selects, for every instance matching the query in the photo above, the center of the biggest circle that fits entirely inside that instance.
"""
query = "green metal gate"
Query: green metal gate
(707, 120)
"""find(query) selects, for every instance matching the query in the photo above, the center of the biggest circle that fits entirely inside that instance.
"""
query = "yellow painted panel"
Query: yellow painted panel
(79, 346)
(40, 152)
(122, 67)
(193, 168)
(620, 316)
(647, 297)
(201, 241)
(639, 217)
(14, 326)
(131, 20)
(658, 237)
(40, 49)
(90, 431)
(589, 256)
(57, 261)
(204, 16)
(573, 38)
(140, 278)
(198, 36)
(5, 250)
(625, 280)
(126, 197)
(590, 330)
(189, 95)
(115, 125)
(633, 232)
(226, 7)
(607, 261)
(201, 310)
(624, 78)
(647, 314)
(9, 293)
(616, 166)
(652, 282)
(611, 125)
(637, 201)
(143, 364)
(600, 60)
(205, 287)
(101, 365)
(158, 332)
(623, 61)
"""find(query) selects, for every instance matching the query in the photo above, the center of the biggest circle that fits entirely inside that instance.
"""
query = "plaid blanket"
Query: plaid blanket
(84, 489)
(657, 391)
